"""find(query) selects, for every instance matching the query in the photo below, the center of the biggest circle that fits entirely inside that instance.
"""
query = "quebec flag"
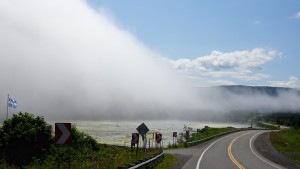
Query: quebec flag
(12, 103)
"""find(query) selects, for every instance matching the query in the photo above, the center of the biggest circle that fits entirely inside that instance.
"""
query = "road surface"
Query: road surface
(234, 151)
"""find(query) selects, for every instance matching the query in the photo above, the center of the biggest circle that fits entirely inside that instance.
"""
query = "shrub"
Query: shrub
(81, 140)
(25, 137)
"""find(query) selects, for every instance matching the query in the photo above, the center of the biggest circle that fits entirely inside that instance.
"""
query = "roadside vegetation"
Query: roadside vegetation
(269, 126)
(197, 135)
(167, 163)
(287, 142)
(285, 119)
(209, 132)
(27, 141)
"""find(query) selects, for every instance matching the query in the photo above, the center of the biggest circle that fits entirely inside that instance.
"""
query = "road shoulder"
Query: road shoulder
(263, 145)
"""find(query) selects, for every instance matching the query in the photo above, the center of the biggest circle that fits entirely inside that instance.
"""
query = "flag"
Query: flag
(12, 103)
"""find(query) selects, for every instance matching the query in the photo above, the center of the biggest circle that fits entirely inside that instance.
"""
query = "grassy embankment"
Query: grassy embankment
(269, 126)
(210, 132)
(287, 142)
(167, 162)
(108, 157)
(197, 136)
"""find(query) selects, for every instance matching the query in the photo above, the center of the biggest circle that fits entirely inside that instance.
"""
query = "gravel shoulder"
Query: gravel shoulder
(264, 147)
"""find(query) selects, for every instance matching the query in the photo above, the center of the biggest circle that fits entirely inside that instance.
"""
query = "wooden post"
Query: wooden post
(69, 155)
(58, 163)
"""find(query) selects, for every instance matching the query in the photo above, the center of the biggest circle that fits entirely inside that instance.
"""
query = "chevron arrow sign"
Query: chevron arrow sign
(63, 133)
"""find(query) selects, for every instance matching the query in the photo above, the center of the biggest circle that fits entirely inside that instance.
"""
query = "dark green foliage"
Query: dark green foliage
(81, 139)
(24, 137)
(81, 152)
(269, 126)
(27, 142)
(287, 119)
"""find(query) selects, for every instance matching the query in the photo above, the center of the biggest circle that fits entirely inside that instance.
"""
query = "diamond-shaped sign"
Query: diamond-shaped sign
(142, 129)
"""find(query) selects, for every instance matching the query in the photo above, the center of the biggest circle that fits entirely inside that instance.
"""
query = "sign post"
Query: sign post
(62, 137)
(174, 138)
(187, 136)
(143, 130)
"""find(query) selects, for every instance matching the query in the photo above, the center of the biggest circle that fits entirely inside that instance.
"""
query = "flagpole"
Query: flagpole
(7, 107)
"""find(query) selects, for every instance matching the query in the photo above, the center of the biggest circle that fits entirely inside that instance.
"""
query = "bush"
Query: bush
(25, 137)
(81, 152)
(81, 140)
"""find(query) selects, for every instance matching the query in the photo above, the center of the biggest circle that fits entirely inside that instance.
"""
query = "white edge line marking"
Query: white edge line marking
(259, 156)
(199, 161)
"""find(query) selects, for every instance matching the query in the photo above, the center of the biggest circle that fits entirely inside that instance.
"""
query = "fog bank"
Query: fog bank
(63, 60)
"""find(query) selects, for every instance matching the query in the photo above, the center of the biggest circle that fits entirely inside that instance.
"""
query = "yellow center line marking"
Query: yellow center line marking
(230, 153)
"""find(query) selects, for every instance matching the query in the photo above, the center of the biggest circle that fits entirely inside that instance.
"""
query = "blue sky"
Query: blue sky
(257, 42)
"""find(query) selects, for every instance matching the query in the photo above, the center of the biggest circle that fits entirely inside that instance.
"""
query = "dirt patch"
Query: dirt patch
(263, 146)
(181, 160)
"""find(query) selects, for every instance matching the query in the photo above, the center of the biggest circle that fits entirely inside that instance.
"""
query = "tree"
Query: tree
(183, 138)
(24, 137)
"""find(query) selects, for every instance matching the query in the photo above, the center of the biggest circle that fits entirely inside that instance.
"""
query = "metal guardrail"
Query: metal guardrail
(210, 137)
(149, 163)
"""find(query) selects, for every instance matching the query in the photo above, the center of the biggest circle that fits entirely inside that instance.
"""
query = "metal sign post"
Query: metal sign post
(187, 136)
(143, 130)
(63, 136)
(174, 138)
(135, 141)
(145, 144)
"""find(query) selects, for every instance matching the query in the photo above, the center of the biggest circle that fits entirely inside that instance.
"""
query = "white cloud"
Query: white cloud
(238, 64)
(296, 16)
(293, 82)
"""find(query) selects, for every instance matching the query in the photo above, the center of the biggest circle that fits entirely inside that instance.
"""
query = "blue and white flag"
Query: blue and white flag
(12, 103)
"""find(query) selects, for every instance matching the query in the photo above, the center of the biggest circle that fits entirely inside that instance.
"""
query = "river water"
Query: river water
(119, 132)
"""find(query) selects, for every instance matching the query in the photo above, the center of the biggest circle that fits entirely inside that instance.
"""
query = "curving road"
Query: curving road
(234, 151)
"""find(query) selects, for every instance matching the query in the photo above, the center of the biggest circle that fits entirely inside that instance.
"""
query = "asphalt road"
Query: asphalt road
(234, 151)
